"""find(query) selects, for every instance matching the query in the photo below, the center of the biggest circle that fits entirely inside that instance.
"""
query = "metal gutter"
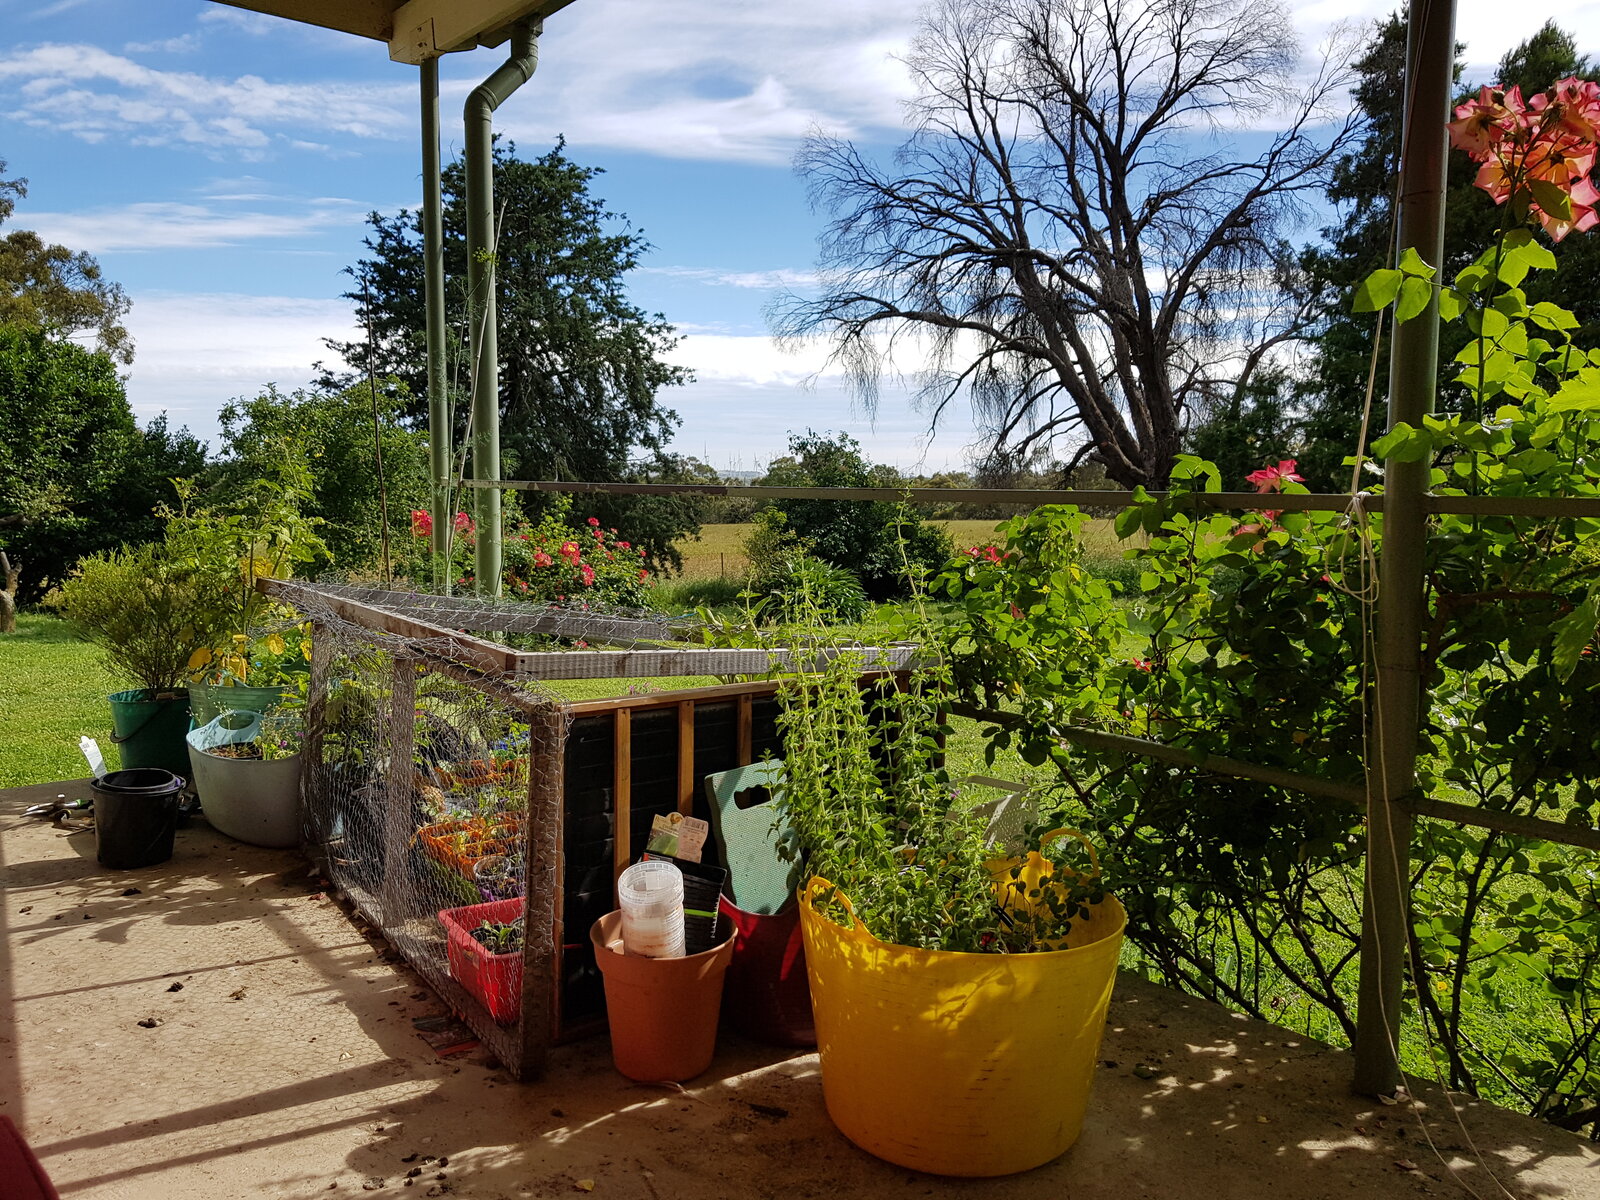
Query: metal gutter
(481, 248)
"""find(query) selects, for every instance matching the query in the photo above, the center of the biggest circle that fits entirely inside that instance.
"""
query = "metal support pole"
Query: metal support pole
(481, 249)
(441, 433)
(1413, 379)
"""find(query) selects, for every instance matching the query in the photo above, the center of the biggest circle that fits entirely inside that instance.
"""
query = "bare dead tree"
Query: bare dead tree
(1070, 234)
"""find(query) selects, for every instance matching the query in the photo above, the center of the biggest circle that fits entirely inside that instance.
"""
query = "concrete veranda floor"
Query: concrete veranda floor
(287, 1065)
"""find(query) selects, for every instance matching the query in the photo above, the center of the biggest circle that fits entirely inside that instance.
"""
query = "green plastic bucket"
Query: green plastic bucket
(150, 733)
(208, 701)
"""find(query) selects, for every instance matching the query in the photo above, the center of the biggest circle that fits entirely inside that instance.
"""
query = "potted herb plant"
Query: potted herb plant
(959, 995)
(246, 769)
(149, 612)
(258, 650)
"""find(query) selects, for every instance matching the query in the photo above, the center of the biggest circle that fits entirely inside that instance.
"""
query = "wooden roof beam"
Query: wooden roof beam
(425, 29)
(416, 30)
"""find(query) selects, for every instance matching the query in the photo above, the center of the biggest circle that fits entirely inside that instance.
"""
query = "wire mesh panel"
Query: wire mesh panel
(427, 797)
(479, 821)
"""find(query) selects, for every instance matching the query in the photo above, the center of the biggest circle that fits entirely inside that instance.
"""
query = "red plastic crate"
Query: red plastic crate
(495, 979)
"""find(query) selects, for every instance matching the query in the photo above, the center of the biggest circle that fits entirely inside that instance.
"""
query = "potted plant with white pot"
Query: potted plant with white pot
(247, 770)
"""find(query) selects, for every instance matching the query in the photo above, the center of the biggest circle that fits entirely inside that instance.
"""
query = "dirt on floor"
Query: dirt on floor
(218, 1027)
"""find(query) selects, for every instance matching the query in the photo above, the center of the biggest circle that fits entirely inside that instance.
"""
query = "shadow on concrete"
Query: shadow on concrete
(310, 1073)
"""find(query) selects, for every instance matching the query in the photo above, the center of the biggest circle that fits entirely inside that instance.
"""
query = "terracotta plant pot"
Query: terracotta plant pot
(663, 1011)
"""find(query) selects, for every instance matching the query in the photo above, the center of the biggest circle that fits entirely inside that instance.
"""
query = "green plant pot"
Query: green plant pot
(208, 702)
(149, 731)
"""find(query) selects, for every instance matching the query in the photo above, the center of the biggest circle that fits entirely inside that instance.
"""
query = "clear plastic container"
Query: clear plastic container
(650, 895)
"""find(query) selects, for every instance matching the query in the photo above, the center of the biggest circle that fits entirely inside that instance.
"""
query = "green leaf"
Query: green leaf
(1377, 291)
(1403, 443)
(1552, 316)
(1537, 255)
(1452, 304)
(1572, 633)
(1513, 269)
(1473, 278)
(1412, 264)
(1513, 302)
(1414, 296)
(1552, 198)
(1576, 395)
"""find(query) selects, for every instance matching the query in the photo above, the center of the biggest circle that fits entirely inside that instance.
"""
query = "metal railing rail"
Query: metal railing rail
(1385, 897)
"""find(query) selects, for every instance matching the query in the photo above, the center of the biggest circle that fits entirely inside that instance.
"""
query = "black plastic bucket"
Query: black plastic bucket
(135, 815)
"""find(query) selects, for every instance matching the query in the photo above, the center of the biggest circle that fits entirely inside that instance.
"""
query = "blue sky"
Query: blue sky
(220, 165)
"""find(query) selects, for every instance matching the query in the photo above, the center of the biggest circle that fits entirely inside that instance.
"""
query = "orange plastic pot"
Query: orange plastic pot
(663, 1011)
(439, 843)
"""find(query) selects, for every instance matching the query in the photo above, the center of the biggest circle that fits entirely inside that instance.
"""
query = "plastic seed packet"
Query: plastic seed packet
(678, 836)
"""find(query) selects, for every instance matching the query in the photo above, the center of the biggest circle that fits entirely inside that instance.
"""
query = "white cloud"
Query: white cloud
(254, 23)
(56, 9)
(1488, 28)
(93, 94)
(186, 44)
(698, 79)
(171, 226)
(709, 80)
(195, 352)
(782, 277)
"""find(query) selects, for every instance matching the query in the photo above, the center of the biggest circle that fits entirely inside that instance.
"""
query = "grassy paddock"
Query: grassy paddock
(718, 553)
(53, 690)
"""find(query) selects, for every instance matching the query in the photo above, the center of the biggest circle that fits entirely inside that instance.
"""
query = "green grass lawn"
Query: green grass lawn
(53, 690)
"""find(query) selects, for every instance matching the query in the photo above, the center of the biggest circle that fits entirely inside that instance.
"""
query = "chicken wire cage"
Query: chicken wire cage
(479, 820)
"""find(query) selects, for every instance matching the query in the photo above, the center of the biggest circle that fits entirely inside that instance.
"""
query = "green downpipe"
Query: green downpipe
(480, 108)
(441, 432)
(1413, 379)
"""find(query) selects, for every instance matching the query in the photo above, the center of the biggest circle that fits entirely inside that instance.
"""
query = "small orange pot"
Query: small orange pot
(663, 1011)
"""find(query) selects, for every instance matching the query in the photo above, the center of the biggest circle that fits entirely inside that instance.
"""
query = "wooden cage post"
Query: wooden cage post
(543, 914)
(311, 772)
(400, 787)
(621, 792)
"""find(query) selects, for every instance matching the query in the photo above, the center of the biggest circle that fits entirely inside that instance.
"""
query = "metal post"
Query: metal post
(441, 432)
(481, 249)
(1413, 376)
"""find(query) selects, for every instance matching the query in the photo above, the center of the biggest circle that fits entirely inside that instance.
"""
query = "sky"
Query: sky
(221, 164)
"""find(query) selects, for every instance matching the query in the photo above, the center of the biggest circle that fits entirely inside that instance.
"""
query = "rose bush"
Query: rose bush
(551, 561)
(1248, 640)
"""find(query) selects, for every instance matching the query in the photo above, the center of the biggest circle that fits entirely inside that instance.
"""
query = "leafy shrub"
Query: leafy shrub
(147, 611)
(885, 544)
(869, 806)
(804, 588)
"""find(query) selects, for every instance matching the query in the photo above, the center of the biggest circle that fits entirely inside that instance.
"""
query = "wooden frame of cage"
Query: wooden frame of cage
(414, 642)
